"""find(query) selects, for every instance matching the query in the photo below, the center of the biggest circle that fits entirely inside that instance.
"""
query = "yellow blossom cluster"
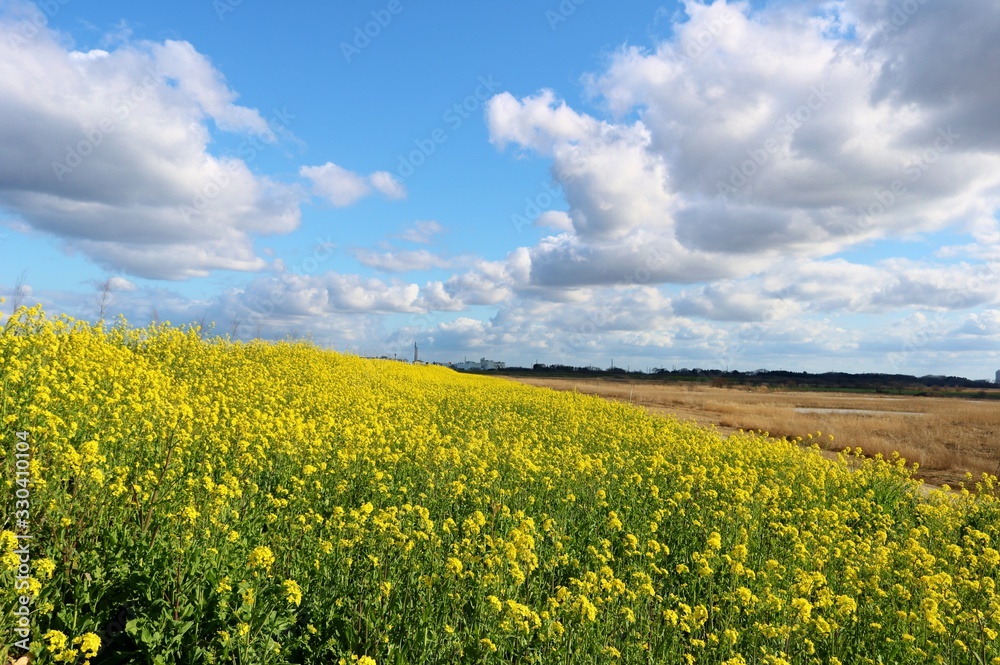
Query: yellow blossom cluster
(280, 503)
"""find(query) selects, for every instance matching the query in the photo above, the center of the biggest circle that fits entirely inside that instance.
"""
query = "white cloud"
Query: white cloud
(540, 122)
(108, 151)
(838, 286)
(436, 298)
(293, 294)
(343, 187)
(94, 54)
(753, 138)
(636, 326)
(204, 88)
(336, 184)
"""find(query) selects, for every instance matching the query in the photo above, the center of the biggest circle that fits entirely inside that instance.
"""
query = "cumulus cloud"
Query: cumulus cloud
(342, 187)
(476, 287)
(638, 325)
(316, 295)
(752, 137)
(108, 151)
(539, 122)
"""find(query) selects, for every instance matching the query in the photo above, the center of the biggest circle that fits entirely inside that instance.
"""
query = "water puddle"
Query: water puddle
(859, 412)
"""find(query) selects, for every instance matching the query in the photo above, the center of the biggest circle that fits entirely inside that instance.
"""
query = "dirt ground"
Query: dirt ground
(948, 437)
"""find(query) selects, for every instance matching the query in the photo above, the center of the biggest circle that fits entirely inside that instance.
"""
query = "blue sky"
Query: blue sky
(806, 185)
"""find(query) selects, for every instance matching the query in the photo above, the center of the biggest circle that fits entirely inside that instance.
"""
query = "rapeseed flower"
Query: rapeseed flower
(387, 488)
(293, 593)
(261, 557)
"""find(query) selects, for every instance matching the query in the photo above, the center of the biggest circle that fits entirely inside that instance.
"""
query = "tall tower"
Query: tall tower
(998, 376)
(415, 354)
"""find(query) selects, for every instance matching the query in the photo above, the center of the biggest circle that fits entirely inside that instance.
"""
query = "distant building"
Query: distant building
(483, 364)
(491, 364)
(998, 377)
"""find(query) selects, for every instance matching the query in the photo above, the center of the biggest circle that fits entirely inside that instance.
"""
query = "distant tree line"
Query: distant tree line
(773, 378)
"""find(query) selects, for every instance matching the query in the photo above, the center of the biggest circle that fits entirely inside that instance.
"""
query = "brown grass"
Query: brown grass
(948, 437)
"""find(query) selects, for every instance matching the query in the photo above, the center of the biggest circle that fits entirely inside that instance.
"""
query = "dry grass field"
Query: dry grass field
(948, 437)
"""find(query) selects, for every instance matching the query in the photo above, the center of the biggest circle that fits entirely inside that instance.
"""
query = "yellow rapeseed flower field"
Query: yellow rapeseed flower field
(195, 500)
